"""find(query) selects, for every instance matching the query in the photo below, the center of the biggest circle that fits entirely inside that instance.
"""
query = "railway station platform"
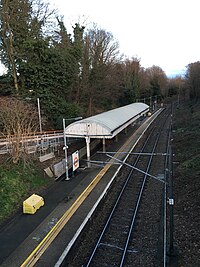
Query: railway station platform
(45, 237)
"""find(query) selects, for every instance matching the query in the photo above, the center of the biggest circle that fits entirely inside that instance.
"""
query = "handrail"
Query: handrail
(30, 138)
(2, 136)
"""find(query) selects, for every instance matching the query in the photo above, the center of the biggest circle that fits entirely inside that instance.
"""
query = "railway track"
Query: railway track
(128, 231)
(40, 254)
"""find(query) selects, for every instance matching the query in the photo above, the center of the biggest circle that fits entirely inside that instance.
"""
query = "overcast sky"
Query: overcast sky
(165, 33)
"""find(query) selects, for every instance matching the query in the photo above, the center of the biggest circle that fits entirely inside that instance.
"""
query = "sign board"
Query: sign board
(75, 160)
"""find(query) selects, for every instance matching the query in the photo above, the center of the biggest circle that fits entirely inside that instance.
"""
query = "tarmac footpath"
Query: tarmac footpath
(51, 234)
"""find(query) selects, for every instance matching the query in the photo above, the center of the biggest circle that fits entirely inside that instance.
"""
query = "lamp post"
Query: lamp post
(65, 149)
(38, 106)
(65, 145)
(39, 115)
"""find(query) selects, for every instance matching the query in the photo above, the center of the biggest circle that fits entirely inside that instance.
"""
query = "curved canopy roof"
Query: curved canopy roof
(107, 124)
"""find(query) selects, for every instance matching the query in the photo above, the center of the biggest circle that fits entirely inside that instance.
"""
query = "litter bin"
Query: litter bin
(32, 204)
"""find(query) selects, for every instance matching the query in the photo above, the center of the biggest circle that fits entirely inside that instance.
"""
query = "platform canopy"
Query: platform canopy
(107, 124)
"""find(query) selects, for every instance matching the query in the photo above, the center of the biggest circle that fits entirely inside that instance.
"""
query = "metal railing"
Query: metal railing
(33, 141)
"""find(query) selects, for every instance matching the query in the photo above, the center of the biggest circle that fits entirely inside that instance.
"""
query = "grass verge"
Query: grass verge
(17, 182)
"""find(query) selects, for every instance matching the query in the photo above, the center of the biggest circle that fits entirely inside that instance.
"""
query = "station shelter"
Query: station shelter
(106, 125)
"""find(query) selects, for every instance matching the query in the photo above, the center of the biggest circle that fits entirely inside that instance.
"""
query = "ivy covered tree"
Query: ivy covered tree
(131, 80)
(21, 23)
(193, 80)
(157, 81)
(41, 60)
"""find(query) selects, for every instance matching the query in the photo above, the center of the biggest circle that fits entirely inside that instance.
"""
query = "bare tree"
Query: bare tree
(102, 54)
(18, 121)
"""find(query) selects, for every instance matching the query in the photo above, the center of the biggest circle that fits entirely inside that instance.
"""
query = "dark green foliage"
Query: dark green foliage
(193, 80)
(59, 109)
(155, 87)
(6, 85)
(172, 90)
(187, 131)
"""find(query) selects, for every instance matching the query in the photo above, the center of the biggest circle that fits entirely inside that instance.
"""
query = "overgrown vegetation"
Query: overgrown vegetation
(16, 184)
(187, 136)
(186, 146)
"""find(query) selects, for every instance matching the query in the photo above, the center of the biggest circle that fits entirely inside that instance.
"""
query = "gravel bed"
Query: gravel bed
(145, 249)
(146, 245)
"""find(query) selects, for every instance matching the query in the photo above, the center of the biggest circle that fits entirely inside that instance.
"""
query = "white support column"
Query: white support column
(87, 139)
(104, 144)
(65, 149)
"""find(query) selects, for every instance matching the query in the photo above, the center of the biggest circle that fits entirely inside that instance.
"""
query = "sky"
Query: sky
(164, 33)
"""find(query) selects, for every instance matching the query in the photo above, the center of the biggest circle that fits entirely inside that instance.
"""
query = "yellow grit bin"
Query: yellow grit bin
(32, 204)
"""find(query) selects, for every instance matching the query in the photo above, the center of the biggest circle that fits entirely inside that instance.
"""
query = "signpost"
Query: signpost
(75, 160)
(66, 147)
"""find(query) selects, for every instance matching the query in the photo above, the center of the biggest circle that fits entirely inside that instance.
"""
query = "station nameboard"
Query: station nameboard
(75, 160)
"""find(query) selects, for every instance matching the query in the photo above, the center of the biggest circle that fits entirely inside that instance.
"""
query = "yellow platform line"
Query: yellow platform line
(48, 239)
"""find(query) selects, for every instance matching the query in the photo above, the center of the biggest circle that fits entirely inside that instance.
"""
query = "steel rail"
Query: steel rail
(140, 195)
(51, 235)
(119, 197)
(165, 203)
(116, 203)
(48, 239)
(67, 249)
(167, 163)
(139, 201)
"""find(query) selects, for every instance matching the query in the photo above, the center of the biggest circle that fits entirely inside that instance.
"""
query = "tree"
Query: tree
(101, 54)
(77, 53)
(21, 23)
(5, 85)
(176, 87)
(9, 19)
(157, 81)
(193, 80)
(18, 120)
(131, 79)
(144, 91)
